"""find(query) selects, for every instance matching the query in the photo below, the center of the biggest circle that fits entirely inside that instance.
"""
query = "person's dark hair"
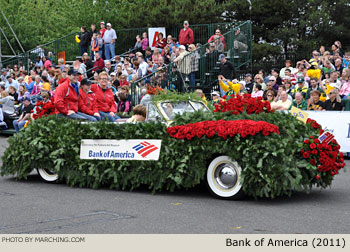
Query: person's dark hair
(263, 72)
(313, 79)
(275, 70)
(161, 34)
(140, 110)
(289, 61)
(288, 70)
(258, 86)
(141, 56)
(84, 28)
(270, 92)
(122, 96)
(44, 78)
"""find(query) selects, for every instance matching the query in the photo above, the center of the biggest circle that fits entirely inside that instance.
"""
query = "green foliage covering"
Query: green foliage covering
(271, 166)
(175, 96)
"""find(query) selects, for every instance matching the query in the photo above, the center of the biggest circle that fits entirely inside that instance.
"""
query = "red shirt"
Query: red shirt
(102, 31)
(66, 98)
(104, 99)
(100, 64)
(124, 83)
(87, 102)
(186, 37)
(161, 43)
(212, 38)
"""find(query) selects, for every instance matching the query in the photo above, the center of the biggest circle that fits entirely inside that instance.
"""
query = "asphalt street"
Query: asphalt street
(33, 206)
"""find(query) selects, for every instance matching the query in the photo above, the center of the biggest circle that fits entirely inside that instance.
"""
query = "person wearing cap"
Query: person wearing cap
(215, 97)
(313, 71)
(183, 62)
(240, 41)
(104, 98)
(87, 101)
(26, 111)
(227, 70)
(186, 35)
(10, 82)
(103, 28)
(299, 88)
(4, 74)
(67, 97)
(109, 39)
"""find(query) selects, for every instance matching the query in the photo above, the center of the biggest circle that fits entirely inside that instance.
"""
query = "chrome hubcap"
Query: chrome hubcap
(226, 175)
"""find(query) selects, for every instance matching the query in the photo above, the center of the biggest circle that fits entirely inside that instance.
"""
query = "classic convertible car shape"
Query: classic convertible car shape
(241, 148)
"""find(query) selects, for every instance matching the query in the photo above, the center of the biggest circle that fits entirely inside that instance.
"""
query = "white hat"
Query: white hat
(113, 74)
(109, 24)
(182, 47)
(215, 93)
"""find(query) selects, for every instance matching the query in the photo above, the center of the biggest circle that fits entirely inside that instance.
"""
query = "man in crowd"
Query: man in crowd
(240, 42)
(313, 86)
(299, 101)
(186, 35)
(84, 40)
(108, 67)
(248, 83)
(99, 64)
(288, 65)
(87, 101)
(26, 111)
(109, 39)
(227, 70)
(143, 65)
(299, 88)
(288, 75)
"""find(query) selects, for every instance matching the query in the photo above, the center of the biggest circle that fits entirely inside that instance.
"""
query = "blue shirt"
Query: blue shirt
(30, 86)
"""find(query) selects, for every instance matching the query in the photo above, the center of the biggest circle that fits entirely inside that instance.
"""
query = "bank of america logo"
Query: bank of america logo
(326, 137)
(145, 148)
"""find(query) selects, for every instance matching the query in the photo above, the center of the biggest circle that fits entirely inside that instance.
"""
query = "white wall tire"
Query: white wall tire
(47, 175)
(223, 178)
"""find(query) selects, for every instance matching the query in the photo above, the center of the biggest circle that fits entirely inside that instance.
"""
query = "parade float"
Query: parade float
(240, 148)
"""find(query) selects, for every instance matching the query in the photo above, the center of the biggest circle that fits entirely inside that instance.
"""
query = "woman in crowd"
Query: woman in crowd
(161, 42)
(345, 87)
(144, 42)
(270, 95)
(138, 44)
(156, 56)
(104, 98)
(314, 103)
(288, 85)
(123, 104)
(13, 93)
(8, 104)
(22, 92)
(123, 81)
(258, 79)
(258, 92)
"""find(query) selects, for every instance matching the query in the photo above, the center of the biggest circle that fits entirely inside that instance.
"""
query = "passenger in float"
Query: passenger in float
(104, 95)
(87, 101)
(139, 114)
(67, 97)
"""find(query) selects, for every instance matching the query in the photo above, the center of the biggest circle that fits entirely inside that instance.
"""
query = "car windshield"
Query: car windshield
(173, 108)
(199, 106)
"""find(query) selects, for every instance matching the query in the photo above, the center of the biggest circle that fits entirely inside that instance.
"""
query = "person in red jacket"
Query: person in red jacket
(99, 64)
(186, 36)
(217, 33)
(67, 96)
(87, 101)
(105, 98)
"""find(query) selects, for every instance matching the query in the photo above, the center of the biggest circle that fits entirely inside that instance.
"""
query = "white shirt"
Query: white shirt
(109, 36)
(143, 66)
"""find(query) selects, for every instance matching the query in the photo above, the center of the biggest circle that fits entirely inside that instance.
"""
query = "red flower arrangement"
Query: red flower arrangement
(326, 157)
(44, 109)
(222, 128)
(239, 104)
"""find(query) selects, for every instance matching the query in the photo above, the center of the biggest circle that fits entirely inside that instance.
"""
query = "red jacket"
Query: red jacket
(186, 37)
(63, 80)
(66, 98)
(87, 102)
(104, 100)
(100, 64)
(212, 38)
(124, 83)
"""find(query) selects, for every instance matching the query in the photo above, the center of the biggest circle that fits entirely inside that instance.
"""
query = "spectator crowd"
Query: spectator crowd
(98, 84)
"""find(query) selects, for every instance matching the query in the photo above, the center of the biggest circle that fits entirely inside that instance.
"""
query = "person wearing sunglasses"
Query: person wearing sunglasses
(105, 98)
(334, 102)
(217, 33)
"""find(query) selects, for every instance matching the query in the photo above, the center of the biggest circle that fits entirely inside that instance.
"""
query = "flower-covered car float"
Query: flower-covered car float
(241, 148)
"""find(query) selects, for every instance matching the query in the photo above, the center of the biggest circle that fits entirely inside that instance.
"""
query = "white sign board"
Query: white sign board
(338, 123)
(107, 149)
(153, 35)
